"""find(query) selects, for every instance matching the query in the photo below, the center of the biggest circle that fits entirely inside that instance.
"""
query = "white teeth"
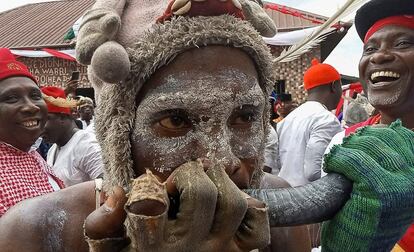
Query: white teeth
(30, 123)
(181, 7)
(384, 74)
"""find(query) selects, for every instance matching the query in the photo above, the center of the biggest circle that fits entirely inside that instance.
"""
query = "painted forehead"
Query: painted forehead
(229, 85)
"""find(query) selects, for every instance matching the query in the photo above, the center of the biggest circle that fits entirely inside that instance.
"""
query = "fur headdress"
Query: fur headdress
(116, 109)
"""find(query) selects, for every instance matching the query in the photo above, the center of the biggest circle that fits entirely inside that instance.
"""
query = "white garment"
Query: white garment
(78, 160)
(85, 125)
(337, 139)
(91, 127)
(271, 153)
(36, 145)
(303, 137)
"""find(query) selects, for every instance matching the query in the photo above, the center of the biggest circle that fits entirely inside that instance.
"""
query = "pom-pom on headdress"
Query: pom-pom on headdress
(167, 39)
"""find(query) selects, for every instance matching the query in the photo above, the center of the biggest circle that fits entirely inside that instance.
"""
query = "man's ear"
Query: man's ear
(335, 86)
(332, 87)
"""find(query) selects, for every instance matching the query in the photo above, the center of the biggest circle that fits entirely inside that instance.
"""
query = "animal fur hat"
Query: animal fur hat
(116, 110)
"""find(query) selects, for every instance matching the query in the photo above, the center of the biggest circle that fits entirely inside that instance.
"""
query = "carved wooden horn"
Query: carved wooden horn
(314, 202)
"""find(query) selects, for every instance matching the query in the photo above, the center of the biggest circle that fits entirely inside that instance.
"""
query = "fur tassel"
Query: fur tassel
(318, 35)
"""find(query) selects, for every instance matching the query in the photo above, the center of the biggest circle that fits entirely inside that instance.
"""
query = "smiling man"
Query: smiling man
(386, 69)
(86, 112)
(387, 66)
(23, 172)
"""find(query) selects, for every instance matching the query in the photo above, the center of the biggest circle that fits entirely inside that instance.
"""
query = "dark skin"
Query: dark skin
(329, 94)
(391, 50)
(22, 112)
(71, 87)
(59, 128)
(86, 112)
(285, 107)
(21, 101)
(107, 220)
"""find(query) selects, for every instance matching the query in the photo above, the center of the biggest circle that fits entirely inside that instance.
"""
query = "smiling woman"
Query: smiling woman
(23, 173)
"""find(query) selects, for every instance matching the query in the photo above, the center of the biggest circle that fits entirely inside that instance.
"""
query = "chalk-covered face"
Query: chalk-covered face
(387, 69)
(207, 103)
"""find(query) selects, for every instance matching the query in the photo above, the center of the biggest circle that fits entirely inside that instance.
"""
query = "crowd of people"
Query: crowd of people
(181, 155)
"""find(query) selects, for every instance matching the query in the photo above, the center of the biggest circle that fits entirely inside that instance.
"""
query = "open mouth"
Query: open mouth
(31, 124)
(384, 77)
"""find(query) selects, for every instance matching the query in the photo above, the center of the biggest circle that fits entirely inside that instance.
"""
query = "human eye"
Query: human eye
(403, 43)
(244, 117)
(9, 98)
(172, 123)
(369, 49)
(36, 95)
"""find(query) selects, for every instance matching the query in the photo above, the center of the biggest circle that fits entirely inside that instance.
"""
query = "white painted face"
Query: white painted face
(207, 103)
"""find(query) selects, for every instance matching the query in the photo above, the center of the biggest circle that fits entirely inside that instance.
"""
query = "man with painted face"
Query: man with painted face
(159, 122)
(166, 142)
(23, 172)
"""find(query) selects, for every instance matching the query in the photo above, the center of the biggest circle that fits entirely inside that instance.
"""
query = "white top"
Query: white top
(91, 127)
(51, 180)
(337, 139)
(271, 153)
(78, 160)
(85, 125)
(303, 137)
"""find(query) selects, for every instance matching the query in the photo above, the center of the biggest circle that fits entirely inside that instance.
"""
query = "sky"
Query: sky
(345, 56)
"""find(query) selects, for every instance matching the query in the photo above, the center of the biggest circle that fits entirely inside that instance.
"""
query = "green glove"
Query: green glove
(380, 162)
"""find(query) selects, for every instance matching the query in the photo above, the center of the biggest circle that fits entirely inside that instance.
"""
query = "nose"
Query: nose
(30, 107)
(221, 152)
(381, 56)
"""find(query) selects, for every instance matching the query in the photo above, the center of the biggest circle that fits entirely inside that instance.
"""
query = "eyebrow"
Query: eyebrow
(394, 36)
(160, 104)
(7, 90)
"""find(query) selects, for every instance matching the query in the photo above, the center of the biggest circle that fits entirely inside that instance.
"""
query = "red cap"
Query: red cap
(320, 74)
(10, 67)
(56, 93)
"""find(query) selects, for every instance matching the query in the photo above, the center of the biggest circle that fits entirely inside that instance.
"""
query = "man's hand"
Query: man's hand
(71, 87)
(213, 214)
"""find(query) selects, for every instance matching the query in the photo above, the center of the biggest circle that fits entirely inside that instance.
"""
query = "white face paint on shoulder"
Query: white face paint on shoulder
(206, 104)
